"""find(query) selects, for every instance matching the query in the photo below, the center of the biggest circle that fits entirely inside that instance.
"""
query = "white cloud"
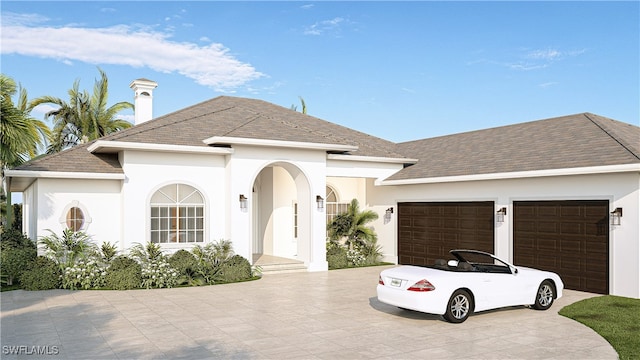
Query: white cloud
(210, 65)
(542, 58)
(548, 84)
(325, 26)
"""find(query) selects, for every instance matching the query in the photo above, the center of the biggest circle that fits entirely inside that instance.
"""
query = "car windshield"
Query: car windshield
(482, 261)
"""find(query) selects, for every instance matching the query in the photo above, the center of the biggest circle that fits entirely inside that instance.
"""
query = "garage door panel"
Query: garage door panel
(547, 227)
(443, 226)
(568, 228)
(569, 211)
(570, 238)
(572, 246)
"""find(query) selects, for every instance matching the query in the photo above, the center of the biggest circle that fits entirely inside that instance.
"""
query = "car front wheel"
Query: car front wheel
(459, 307)
(545, 295)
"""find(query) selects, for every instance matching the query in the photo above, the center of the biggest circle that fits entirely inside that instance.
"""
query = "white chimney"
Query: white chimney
(143, 96)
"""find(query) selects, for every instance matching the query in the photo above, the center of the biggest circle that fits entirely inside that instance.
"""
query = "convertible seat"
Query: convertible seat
(465, 266)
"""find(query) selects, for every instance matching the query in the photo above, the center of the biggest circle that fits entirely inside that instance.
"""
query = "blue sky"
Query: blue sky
(397, 70)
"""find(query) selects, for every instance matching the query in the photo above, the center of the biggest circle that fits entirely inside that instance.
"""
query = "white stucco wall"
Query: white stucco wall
(99, 200)
(146, 172)
(620, 189)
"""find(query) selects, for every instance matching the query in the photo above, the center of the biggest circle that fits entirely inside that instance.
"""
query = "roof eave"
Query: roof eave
(378, 159)
(519, 174)
(20, 180)
(227, 140)
(107, 147)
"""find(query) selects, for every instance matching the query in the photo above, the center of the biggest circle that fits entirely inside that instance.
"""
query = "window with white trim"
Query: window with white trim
(75, 219)
(177, 215)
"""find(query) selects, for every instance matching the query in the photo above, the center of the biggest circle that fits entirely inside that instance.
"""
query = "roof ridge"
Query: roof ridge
(151, 127)
(611, 134)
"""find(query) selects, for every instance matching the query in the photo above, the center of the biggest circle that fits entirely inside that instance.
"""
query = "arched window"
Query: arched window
(332, 205)
(75, 219)
(177, 215)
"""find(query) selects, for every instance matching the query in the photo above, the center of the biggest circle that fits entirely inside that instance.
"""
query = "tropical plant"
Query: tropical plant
(210, 257)
(108, 251)
(144, 254)
(43, 274)
(20, 134)
(69, 248)
(351, 226)
(214, 252)
(84, 117)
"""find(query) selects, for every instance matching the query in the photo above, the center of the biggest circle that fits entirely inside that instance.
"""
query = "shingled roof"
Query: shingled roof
(222, 116)
(581, 140)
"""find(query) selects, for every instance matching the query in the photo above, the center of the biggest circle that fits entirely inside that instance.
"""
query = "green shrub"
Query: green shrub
(183, 261)
(188, 268)
(336, 256)
(43, 274)
(234, 269)
(123, 273)
(16, 253)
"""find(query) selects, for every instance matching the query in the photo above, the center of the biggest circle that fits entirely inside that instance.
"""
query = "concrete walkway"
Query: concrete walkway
(330, 315)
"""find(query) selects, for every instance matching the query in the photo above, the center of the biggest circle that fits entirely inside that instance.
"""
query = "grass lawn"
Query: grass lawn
(615, 318)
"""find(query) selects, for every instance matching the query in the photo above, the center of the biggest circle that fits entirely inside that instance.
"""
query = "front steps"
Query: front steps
(277, 265)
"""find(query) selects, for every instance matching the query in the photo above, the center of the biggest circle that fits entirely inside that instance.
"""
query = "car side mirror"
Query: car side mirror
(514, 270)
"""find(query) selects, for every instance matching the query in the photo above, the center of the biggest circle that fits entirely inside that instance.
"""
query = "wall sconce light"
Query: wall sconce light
(500, 214)
(387, 215)
(615, 216)
(320, 202)
(243, 202)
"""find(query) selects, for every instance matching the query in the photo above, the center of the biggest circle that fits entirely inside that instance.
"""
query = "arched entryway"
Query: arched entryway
(281, 213)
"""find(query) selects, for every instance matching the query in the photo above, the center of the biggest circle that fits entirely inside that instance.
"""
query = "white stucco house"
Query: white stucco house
(561, 194)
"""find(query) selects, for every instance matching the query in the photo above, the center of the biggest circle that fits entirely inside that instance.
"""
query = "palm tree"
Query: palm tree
(352, 226)
(304, 106)
(20, 134)
(85, 117)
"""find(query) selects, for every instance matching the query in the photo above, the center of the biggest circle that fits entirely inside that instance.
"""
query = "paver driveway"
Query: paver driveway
(329, 315)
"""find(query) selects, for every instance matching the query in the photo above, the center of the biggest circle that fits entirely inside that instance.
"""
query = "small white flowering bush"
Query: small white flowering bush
(84, 275)
(355, 257)
(158, 274)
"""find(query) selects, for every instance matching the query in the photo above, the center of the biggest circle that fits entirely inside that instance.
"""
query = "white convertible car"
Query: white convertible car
(474, 281)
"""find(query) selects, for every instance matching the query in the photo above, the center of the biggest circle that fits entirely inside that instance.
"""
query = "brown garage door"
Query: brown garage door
(570, 238)
(428, 230)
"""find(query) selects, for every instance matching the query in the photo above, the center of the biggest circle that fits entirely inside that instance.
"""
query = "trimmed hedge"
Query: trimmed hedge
(123, 273)
(43, 274)
(234, 269)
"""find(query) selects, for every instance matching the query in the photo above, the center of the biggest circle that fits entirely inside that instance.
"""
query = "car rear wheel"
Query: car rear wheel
(544, 297)
(459, 307)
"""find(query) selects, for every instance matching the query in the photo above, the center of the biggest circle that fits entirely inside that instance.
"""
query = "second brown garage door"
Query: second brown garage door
(570, 238)
(428, 230)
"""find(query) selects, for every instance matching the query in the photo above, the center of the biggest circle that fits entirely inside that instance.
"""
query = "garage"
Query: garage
(428, 230)
(570, 238)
